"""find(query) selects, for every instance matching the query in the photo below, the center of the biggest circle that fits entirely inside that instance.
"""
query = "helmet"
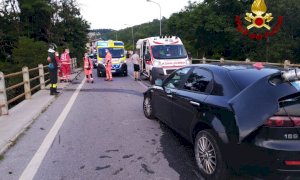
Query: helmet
(52, 47)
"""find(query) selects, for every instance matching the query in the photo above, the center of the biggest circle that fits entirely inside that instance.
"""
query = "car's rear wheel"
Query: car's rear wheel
(147, 107)
(208, 156)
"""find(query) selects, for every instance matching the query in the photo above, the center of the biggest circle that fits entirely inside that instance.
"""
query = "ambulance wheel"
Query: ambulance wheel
(98, 74)
(125, 73)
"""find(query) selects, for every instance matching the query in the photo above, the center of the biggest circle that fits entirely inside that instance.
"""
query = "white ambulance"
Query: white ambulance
(161, 56)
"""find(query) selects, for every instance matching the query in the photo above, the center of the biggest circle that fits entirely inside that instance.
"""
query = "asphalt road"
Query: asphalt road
(104, 137)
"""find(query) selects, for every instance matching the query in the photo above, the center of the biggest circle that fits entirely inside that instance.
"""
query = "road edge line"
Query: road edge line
(33, 166)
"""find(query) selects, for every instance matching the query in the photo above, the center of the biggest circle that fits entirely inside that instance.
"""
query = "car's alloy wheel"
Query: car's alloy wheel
(147, 107)
(208, 156)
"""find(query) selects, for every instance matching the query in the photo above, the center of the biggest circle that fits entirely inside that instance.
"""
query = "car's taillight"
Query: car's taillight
(296, 121)
(283, 121)
(292, 163)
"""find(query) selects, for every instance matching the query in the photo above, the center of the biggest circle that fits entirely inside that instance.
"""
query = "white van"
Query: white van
(161, 56)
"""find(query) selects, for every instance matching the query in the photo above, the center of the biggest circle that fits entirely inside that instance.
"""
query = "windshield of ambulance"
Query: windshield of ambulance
(169, 52)
(115, 52)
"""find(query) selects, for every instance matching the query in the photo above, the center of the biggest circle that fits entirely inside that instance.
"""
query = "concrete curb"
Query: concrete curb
(13, 126)
(13, 140)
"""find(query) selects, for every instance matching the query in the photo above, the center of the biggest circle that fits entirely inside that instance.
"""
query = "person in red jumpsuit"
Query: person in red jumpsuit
(108, 65)
(88, 68)
(59, 68)
(66, 65)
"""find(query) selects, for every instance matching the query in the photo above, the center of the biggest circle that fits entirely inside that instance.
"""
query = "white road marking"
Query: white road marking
(35, 163)
(142, 84)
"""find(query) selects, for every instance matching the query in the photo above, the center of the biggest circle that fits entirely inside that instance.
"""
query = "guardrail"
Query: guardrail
(4, 102)
(286, 64)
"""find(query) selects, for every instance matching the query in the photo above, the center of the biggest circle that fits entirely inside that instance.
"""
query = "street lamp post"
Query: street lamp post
(159, 15)
(132, 36)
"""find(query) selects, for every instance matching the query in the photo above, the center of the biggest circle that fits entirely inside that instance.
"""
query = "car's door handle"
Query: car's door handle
(194, 103)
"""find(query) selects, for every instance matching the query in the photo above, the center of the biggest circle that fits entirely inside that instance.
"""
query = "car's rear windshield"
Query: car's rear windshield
(245, 77)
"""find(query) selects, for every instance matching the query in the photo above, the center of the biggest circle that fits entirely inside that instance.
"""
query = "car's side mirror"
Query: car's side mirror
(189, 55)
(158, 82)
(147, 57)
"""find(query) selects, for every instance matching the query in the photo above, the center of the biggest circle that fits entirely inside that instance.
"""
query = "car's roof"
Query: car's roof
(242, 74)
(237, 66)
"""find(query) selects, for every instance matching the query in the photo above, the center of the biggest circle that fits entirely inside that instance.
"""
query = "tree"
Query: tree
(29, 52)
(35, 18)
(41, 22)
(70, 29)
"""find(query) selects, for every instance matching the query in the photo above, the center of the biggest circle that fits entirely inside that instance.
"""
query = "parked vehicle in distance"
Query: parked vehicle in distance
(93, 57)
(161, 56)
(240, 117)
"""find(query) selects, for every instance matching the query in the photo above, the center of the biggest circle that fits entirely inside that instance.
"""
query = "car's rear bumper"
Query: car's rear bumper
(263, 160)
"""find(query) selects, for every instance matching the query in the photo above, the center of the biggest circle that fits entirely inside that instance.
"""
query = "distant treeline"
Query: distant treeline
(27, 27)
(101, 31)
(208, 28)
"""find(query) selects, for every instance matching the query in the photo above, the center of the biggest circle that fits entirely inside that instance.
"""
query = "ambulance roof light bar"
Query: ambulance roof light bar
(167, 36)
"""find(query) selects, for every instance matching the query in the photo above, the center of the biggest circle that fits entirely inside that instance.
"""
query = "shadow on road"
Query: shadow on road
(180, 155)
(107, 90)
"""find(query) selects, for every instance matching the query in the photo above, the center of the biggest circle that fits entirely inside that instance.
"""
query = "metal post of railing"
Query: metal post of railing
(75, 63)
(26, 81)
(3, 97)
(287, 64)
(72, 65)
(42, 76)
(203, 60)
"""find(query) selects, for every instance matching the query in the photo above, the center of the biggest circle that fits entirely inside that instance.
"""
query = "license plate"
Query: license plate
(113, 70)
(296, 84)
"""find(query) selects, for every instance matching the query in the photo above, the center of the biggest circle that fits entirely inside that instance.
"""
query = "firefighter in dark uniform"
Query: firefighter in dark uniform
(52, 69)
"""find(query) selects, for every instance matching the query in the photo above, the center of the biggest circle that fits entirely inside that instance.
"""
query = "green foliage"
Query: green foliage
(29, 52)
(35, 23)
(70, 28)
(35, 17)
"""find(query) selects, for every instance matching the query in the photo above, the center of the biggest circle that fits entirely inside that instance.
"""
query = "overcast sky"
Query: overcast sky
(114, 14)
